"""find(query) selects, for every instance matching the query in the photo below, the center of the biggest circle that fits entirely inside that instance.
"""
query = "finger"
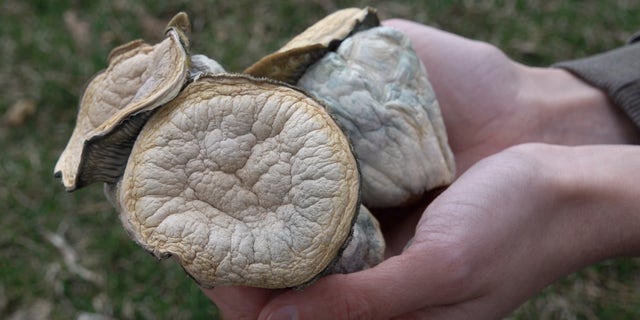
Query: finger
(433, 44)
(240, 302)
(478, 308)
(398, 285)
(443, 313)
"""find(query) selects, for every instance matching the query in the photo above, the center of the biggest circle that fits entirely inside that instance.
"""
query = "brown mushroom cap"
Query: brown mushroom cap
(244, 181)
(139, 78)
(290, 62)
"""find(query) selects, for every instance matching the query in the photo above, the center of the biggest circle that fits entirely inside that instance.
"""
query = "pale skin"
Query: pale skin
(547, 185)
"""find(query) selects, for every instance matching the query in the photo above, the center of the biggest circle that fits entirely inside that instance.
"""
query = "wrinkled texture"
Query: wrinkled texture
(139, 78)
(290, 62)
(245, 182)
(365, 248)
(251, 182)
(378, 90)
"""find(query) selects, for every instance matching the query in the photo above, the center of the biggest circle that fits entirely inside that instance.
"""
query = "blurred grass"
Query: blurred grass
(49, 49)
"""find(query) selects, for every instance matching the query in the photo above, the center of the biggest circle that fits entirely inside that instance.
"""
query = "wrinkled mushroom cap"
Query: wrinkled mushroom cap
(139, 78)
(244, 181)
(289, 62)
(377, 88)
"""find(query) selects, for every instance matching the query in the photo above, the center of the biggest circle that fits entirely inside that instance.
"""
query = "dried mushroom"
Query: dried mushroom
(378, 90)
(291, 61)
(374, 84)
(366, 247)
(244, 181)
(139, 78)
(247, 180)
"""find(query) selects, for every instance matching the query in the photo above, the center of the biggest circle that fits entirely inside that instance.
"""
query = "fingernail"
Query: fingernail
(285, 313)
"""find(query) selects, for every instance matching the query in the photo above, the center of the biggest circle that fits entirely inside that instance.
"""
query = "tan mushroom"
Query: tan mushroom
(366, 247)
(292, 60)
(245, 182)
(377, 88)
(116, 103)
(374, 84)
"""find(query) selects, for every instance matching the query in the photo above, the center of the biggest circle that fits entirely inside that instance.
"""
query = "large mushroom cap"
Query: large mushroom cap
(377, 88)
(244, 181)
(290, 62)
(139, 78)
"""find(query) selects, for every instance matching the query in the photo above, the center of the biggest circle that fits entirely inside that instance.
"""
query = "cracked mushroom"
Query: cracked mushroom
(247, 180)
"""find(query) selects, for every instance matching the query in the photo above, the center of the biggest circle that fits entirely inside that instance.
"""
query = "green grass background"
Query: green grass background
(49, 50)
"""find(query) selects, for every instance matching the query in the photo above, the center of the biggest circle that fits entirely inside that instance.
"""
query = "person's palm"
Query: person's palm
(477, 87)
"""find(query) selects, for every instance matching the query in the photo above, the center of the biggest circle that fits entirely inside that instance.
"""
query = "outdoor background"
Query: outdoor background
(65, 256)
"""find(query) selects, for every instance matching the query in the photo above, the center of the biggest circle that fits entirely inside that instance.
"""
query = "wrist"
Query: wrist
(583, 209)
(572, 112)
(595, 204)
(609, 190)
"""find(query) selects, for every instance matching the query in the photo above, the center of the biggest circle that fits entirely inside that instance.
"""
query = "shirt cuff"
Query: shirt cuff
(616, 72)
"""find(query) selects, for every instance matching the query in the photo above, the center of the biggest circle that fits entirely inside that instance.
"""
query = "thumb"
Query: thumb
(239, 302)
(401, 284)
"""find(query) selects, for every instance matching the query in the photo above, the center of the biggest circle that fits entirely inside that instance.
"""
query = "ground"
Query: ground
(66, 255)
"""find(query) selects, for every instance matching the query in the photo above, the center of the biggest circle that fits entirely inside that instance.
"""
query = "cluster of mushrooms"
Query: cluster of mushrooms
(263, 178)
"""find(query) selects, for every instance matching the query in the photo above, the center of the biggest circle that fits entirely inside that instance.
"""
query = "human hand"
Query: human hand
(509, 226)
(490, 102)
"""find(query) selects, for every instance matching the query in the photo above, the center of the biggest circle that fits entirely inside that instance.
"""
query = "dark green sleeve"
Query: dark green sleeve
(617, 72)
